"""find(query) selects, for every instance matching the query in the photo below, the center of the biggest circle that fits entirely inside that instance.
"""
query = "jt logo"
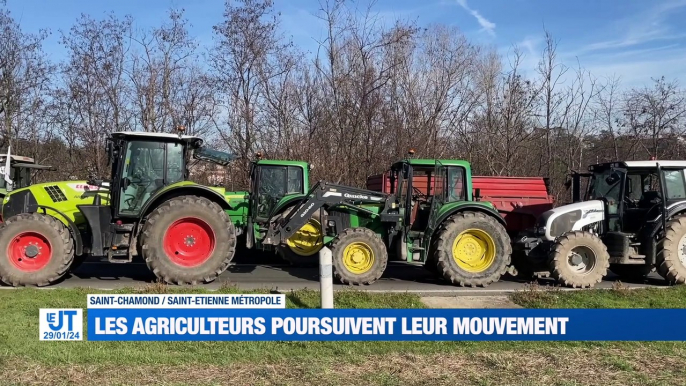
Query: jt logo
(56, 320)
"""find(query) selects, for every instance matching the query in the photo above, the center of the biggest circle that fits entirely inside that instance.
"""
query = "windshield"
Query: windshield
(275, 182)
(606, 184)
(216, 156)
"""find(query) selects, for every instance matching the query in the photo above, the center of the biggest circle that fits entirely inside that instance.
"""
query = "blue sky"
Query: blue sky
(634, 39)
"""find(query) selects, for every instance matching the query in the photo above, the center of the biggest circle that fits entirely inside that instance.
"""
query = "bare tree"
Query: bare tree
(653, 113)
(552, 73)
(607, 110)
(94, 83)
(242, 60)
(163, 59)
(25, 80)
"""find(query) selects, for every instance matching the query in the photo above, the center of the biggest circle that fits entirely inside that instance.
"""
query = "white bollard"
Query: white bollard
(326, 277)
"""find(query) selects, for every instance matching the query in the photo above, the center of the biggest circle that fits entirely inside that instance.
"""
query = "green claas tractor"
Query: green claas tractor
(20, 172)
(430, 216)
(185, 232)
(181, 229)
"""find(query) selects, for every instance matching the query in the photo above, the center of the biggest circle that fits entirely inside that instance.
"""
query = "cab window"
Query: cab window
(456, 184)
(675, 188)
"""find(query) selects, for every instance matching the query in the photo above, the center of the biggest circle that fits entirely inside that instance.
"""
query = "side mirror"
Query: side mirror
(125, 182)
(612, 178)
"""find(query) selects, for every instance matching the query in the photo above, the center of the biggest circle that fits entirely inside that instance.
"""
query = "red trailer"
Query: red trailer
(520, 200)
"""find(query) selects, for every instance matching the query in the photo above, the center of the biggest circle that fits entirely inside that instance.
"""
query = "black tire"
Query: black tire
(302, 259)
(375, 245)
(631, 272)
(593, 246)
(447, 233)
(668, 264)
(208, 221)
(35, 226)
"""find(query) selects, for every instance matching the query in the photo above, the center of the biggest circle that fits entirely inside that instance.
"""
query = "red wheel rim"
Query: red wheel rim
(29, 251)
(189, 242)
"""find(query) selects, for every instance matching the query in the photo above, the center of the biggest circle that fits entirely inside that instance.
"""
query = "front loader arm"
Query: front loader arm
(323, 194)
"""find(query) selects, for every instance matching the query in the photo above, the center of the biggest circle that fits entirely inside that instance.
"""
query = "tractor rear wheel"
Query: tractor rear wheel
(671, 255)
(188, 240)
(579, 260)
(471, 249)
(302, 249)
(631, 272)
(359, 256)
(35, 249)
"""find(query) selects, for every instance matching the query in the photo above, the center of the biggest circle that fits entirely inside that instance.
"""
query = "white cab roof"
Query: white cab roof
(13, 157)
(653, 163)
(155, 135)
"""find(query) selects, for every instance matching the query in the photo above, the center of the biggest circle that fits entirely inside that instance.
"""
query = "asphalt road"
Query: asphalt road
(273, 275)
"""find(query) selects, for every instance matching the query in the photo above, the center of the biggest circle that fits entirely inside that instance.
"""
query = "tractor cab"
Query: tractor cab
(21, 169)
(276, 187)
(633, 191)
(143, 164)
(425, 185)
(272, 181)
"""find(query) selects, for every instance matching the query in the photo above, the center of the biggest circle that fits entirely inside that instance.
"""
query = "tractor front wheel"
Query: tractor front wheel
(579, 260)
(471, 249)
(671, 255)
(35, 249)
(188, 240)
(302, 249)
(359, 256)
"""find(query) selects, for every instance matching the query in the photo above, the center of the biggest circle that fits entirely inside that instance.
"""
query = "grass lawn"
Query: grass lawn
(26, 360)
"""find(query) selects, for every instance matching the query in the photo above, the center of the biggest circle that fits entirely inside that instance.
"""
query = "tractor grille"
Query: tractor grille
(55, 193)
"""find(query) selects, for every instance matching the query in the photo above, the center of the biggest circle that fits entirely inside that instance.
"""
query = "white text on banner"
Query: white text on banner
(192, 301)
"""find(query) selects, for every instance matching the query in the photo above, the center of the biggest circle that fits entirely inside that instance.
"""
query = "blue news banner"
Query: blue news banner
(265, 318)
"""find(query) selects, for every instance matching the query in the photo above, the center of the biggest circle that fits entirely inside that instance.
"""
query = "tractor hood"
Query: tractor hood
(573, 217)
(63, 196)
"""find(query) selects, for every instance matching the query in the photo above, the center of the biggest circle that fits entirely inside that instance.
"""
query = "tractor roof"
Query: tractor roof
(432, 162)
(149, 135)
(282, 163)
(19, 158)
(640, 164)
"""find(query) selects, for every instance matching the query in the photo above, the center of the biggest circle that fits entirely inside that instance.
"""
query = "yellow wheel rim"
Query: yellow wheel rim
(474, 250)
(358, 258)
(308, 240)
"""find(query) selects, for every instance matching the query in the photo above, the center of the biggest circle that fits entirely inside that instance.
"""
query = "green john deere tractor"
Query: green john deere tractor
(185, 232)
(20, 172)
(430, 216)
